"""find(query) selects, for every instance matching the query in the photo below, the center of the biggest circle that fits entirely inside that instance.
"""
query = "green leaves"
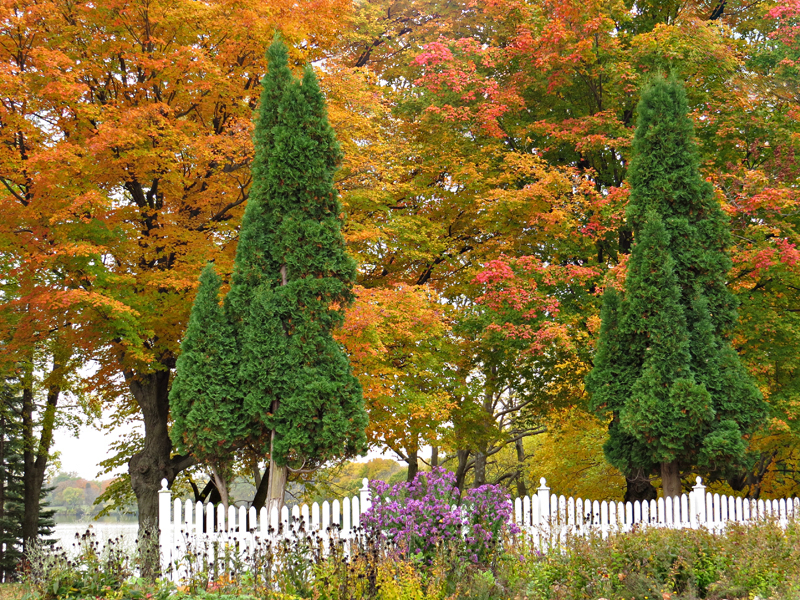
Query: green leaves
(665, 366)
(205, 399)
(292, 267)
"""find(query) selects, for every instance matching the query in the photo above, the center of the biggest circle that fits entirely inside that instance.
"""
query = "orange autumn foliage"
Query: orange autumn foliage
(397, 341)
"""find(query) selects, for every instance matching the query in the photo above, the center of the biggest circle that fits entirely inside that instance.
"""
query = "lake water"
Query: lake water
(64, 533)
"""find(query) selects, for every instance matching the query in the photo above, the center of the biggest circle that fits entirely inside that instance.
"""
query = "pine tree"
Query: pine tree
(665, 368)
(205, 399)
(292, 266)
(11, 486)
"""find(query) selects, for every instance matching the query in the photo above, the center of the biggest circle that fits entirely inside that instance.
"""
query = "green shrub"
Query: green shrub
(759, 559)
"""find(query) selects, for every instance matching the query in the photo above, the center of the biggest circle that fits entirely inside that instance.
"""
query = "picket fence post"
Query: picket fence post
(365, 496)
(164, 525)
(544, 510)
(698, 504)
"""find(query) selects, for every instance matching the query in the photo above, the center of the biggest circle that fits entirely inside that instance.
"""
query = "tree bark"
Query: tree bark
(35, 455)
(222, 486)
(670, 479)
(480, 468)
(256, 473)
(261, 491)
(155, 461)
(754, 478)
(209, 492)
(276, 488)
(4, 575)
(488, 407)
(522, 490)
(413, 465)
(638, 487)
(434, 457)
(462, 468)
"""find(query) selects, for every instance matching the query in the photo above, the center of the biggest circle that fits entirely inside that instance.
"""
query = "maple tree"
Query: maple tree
(126, 130)
(398, 341)
(560, 80)
(472, 133)
(570, 457)
(347, 479)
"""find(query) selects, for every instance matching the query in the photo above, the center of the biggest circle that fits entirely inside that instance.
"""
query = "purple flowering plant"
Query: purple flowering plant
(426, 514)
(488, 515)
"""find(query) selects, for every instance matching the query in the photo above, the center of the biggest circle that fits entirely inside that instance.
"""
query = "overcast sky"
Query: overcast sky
(82, 454)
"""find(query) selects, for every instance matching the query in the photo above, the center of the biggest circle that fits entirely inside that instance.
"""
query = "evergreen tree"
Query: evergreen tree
(292, 280)
(679, 396)
(205, 400)
(11, 485)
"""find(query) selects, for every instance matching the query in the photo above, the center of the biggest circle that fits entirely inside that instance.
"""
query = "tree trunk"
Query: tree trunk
(154, 462)
(222, 486)
(256, 473)
(261, 491)
(413, 465)
(434, 457)
(35, 455)
(670, 479)
(480, 468)
(488, 407)
(638, 487)
(522, 490)
(754, 478)
(276, 488)
(209, 492)
(461, 469)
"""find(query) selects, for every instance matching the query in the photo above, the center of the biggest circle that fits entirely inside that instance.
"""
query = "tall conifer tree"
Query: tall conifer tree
(11, 486)
(292, 279)
(680, 398)
(205, 400)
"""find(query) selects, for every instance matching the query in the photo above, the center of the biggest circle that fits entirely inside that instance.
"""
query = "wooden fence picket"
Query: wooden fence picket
(212, 532)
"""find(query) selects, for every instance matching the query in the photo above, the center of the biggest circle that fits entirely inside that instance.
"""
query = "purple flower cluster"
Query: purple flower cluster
(488, 513)
(424, 514)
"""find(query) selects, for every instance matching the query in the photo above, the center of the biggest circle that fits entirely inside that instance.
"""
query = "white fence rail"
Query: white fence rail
(187, 529)
(547, 518)
(550, 518)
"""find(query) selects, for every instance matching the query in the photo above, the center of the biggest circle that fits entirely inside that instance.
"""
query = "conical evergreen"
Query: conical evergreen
(204, 399)
(292, 280)
(255, 258)
(11, 485)
(680, 398)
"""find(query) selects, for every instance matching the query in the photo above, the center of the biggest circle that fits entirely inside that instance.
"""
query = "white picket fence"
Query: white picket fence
(548, 519)
(188, 528)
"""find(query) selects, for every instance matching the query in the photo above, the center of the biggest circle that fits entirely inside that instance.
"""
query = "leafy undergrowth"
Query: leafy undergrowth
(11, 591)
(760, 560)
